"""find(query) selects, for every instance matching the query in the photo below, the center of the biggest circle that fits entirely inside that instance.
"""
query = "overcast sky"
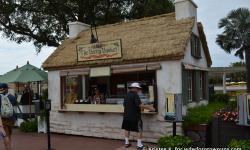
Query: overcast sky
(209, 13)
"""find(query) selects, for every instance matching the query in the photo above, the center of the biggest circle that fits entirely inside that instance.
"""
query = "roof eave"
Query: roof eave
(204, 44)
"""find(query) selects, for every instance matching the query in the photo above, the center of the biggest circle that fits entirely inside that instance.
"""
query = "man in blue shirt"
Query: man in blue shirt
(7, 123)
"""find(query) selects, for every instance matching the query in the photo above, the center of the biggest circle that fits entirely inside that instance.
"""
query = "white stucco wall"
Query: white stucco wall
(54, 89)
(169, 80)
(108, 125)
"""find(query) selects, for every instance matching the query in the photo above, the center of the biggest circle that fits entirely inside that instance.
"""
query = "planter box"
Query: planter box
(199, 135)
(223, 132)
(199, 127)
(41, 125)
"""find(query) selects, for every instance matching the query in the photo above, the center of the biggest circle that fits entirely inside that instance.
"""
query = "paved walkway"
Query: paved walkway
(35, 141)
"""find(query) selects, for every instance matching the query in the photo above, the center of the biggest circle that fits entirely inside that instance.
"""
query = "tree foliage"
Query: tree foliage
(236, 36)
(238, 76)
(44, 22)
(238, 64)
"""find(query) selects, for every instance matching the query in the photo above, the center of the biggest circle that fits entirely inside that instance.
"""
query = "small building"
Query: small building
(167, 54)
(234, 88)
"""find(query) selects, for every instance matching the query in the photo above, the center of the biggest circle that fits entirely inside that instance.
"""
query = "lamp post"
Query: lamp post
(47, 109)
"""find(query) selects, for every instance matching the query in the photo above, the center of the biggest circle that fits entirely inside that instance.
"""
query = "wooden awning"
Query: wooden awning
(115, 69)
(135, 67)
(192, 67)
(71, 72)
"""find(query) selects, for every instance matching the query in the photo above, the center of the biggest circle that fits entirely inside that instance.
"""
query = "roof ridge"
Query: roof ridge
(132, 21)
(137, 20)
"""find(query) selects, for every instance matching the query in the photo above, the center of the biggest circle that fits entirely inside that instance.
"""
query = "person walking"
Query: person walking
(2, 131)
(132, 121)
(7, 103)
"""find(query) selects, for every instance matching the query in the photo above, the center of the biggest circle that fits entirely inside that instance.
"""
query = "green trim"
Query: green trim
(197, 85)
(184, 86)
(207, 86)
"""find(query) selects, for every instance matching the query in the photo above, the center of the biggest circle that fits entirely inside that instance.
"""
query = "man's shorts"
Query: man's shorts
(8, 124)
(135, 126)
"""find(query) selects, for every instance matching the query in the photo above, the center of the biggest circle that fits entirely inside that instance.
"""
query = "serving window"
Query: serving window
(72, 89)
(96, 93)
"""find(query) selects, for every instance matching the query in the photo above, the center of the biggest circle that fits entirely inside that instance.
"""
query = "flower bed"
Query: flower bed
(231, 116)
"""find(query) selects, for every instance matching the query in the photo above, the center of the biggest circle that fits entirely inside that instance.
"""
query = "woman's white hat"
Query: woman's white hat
(135, 85)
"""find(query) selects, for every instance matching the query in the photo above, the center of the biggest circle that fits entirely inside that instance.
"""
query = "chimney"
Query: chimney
(76, 27)
(185, 9)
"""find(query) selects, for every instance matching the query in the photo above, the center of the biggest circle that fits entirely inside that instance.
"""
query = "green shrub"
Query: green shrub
(219, 97)
(202, 114)
(232, 105)
(174, 141)
(243, 144)
(29, 126)
(45, 94)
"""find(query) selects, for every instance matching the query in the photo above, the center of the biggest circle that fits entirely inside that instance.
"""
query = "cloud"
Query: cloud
(209, 13)
(12, 54)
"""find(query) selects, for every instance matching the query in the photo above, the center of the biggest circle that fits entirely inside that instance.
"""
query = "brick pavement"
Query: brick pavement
(35, 141)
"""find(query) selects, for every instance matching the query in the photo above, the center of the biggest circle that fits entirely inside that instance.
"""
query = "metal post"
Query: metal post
(47, 108)
(48, 131)
(174, 128)
(224, 83)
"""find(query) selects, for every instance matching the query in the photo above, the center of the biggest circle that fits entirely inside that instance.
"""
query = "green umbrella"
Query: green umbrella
(1, 79)
(24, 74)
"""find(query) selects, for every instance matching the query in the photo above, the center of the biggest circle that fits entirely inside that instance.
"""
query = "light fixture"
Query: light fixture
(93, 38)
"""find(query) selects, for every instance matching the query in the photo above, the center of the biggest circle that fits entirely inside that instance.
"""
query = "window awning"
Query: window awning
(83, 71)
(192, 67)
(114, 69)
(135, 67)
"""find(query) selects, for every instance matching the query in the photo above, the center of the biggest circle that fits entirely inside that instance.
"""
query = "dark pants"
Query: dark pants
(133, 125)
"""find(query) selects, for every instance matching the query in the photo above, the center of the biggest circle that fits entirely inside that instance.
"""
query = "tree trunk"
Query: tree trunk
(247, 57)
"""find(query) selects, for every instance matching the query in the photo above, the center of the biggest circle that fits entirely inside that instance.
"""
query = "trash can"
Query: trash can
(37, 105)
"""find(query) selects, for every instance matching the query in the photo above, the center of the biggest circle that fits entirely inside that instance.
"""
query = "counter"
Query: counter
(102, 108)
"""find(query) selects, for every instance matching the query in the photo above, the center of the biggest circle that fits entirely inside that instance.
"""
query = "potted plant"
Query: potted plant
(225, 128)
(196, 123)
(29, 126)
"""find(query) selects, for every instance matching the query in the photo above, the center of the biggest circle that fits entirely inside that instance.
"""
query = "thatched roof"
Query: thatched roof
(143, 40)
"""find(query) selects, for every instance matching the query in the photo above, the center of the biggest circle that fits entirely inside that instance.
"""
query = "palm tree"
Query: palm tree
(236, 36)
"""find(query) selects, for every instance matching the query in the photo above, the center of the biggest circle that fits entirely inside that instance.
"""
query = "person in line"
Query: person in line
(2, 131)
(27, 96)
(132, 121)
(7, 103)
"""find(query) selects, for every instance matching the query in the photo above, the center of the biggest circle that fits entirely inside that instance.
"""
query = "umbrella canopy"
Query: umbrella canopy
(1, 79)
(24, 74)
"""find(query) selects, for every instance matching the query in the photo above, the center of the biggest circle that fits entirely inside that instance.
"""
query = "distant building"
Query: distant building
(230, 86)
